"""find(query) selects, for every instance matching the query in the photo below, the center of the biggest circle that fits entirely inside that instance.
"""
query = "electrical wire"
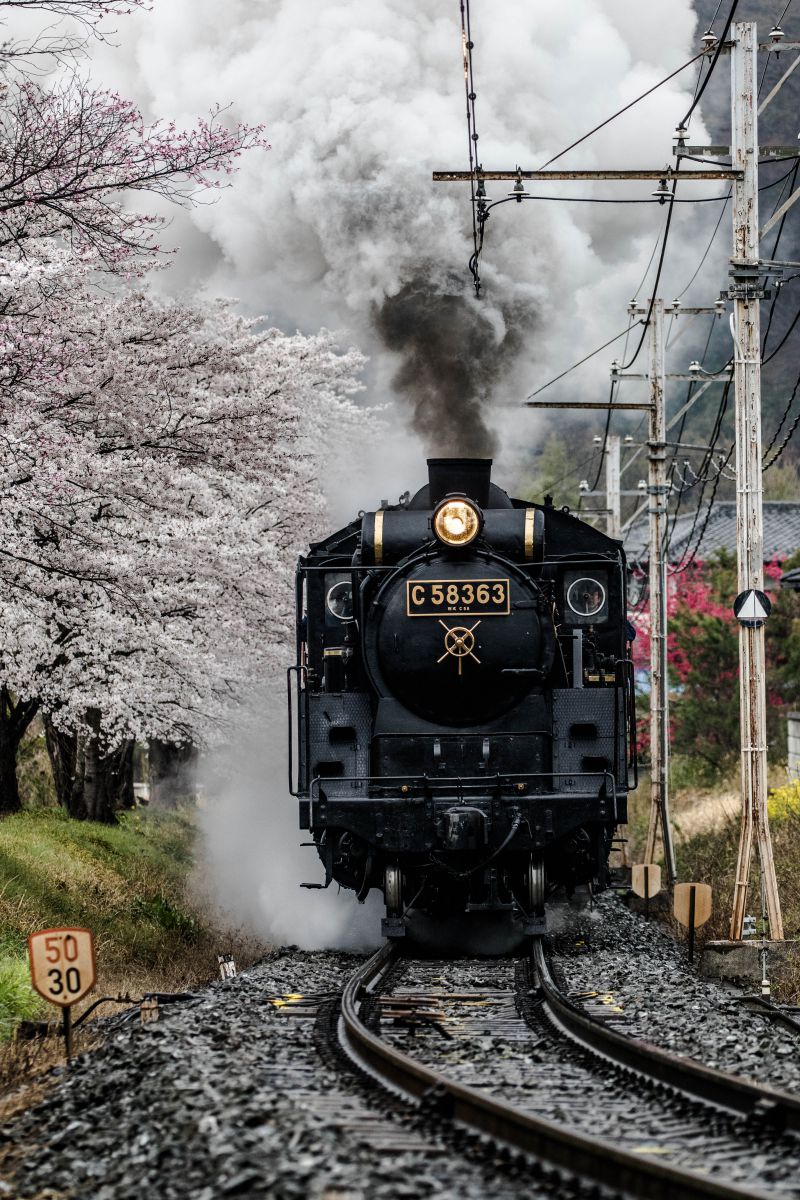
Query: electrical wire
(775, 436)
(783, 14)
(576, 470)
(776, 243)
(716, 14)
(580, 362)
(679, 434)
(646, 321)
(620, 111)
(714, 61)
(645, 325)
(722, 211)
(707, 250)
(605, 434)
(783, 340)
(688, 556)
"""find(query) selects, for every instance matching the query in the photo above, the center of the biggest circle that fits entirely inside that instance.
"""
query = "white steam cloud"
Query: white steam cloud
(362, 99)
(341, 225)
(254, 853)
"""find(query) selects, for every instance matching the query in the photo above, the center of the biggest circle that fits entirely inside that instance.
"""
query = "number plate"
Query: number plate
(62, 964)
(472, 597)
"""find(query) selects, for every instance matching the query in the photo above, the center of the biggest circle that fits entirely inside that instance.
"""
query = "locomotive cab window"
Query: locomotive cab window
(585, 596)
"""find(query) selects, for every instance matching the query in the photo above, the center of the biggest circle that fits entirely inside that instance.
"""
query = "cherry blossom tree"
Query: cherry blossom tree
(157, 461)
(158, 487)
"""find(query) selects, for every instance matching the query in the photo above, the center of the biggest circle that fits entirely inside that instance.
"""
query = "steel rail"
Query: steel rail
(558, 1146)
(731, 1092)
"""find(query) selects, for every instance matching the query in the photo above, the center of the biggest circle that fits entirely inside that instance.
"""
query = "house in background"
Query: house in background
(717, 531)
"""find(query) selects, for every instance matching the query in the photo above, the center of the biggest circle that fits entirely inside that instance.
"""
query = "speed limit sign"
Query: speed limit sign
(62, 964)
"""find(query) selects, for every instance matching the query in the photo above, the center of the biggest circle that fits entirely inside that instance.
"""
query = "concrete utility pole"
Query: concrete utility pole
(658, 492)
(746, 291)
(613, 496)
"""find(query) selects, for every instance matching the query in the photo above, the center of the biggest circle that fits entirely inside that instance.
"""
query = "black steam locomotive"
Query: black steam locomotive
(462, 701)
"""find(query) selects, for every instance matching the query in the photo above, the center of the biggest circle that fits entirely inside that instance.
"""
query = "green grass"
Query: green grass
(18, 1001)
(127, 883)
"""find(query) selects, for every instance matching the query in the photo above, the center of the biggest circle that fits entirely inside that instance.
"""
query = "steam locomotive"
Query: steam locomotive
(461, 708)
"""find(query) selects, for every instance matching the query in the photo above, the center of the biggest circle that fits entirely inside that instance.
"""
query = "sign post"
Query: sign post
(692, 907)
(646, 882)
(63, 970)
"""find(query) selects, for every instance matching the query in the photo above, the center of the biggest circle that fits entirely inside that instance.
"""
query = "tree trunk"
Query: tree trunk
(91, 785)
(95, 797)
(171, 773)
(107, 778)
(15, 717)
(64, 755)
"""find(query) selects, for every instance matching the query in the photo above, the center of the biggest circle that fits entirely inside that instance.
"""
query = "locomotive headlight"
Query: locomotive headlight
(457, 522)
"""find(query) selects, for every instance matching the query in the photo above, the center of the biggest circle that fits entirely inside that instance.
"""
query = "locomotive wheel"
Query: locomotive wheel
(393, 890)
(534, 885)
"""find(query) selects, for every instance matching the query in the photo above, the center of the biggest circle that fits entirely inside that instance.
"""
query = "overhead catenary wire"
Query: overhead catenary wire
(580, 362)
(622, 110)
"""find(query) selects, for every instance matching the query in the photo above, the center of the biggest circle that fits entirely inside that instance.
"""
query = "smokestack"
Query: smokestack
(471, 476)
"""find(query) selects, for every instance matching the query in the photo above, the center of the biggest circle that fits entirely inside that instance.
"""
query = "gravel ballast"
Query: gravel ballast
(644, 972)
(231, 1096)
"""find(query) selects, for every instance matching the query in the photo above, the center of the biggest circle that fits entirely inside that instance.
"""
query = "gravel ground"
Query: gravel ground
(611, 950)
(230, 1096)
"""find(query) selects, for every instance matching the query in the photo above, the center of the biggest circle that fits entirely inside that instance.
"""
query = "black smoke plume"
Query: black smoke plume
(452, 358)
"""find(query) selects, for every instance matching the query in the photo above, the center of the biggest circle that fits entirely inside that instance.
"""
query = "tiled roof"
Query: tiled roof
(781, 532)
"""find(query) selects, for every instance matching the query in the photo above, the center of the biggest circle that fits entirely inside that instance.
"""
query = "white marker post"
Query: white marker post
(692, 907)
(63, 970)
(645, 883)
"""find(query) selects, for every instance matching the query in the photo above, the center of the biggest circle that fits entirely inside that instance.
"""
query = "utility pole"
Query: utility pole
(746, 291)
(658, 490)
(658, 493)
(613, 496)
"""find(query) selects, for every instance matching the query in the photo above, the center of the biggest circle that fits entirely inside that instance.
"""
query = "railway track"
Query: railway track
(497, 1047)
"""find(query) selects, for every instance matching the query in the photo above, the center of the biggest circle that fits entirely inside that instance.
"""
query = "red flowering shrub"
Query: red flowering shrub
(703, 657)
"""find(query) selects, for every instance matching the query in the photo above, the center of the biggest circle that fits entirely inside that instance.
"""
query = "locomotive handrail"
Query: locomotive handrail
(630, 689)
(426, 781)
(299, 670)
(315, 792)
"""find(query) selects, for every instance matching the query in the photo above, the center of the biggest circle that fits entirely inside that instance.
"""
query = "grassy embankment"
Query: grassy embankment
(706, 823)
(130, 884)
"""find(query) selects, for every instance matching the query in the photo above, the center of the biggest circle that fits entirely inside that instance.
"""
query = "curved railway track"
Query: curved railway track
(591, 1102)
